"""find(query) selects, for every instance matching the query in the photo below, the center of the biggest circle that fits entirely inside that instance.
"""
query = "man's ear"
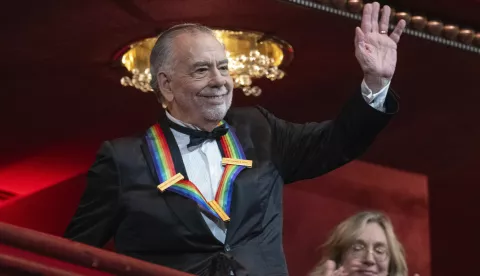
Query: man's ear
(164, 85)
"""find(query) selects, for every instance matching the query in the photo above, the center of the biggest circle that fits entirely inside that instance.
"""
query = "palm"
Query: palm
(376, 51)
(378, 56)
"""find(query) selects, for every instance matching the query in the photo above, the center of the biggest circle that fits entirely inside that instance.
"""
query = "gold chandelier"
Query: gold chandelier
(251, 55)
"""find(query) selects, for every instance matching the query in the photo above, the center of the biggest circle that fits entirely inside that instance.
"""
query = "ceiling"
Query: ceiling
(60, 83)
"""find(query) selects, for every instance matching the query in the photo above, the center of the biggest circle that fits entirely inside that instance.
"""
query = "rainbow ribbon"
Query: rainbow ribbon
(165, 168)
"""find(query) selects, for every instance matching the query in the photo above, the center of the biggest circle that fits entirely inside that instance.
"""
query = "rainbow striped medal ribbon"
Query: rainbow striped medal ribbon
(233, 160)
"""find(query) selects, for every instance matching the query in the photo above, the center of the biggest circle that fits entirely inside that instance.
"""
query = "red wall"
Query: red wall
(48, 210)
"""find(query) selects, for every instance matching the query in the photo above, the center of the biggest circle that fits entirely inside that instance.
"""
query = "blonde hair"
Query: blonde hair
(344, 235)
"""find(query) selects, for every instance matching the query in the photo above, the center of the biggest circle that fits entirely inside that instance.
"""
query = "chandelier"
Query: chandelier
(251, 55)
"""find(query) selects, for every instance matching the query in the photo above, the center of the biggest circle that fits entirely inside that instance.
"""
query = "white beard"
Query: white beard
(217, 112)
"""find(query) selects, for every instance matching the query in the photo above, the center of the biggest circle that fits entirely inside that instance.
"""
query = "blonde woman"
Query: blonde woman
(364, 244)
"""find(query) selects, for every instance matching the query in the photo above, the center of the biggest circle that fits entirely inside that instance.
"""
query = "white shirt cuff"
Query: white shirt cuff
(375, 100)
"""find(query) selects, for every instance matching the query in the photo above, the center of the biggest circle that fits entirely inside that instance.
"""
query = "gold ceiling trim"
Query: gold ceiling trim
(252, 55)
(434, 30)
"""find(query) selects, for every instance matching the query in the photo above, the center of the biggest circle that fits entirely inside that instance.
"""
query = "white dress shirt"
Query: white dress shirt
(204, 169)
(204, 162)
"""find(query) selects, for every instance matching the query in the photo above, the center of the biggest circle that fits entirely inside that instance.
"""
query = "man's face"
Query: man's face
(199, 87)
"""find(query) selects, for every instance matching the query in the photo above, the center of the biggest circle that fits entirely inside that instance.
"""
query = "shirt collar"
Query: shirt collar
(181, 138)
(177, 121)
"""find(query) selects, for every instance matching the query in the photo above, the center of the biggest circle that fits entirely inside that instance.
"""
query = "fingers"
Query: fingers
(329, 268)
(340, 272)
(370, 22)
(375, 11)
(359, 36)
(397, 32)
(385, 19)
(367, 18)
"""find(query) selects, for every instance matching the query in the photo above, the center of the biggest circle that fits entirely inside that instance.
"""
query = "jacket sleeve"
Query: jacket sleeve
(94, 220)
(304, 151)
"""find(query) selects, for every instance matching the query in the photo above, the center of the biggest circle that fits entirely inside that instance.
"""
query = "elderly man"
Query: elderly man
(218, 208)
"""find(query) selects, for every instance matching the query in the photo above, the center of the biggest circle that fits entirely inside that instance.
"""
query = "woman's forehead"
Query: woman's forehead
(371, 233)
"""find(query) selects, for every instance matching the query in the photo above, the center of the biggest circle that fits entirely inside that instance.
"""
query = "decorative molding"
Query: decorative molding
(418, 26)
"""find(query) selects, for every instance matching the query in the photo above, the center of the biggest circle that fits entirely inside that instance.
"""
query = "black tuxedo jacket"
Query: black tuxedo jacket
(121, 199)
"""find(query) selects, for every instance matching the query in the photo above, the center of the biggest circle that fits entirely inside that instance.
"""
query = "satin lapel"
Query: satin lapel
(186, 210)
(148, 160)
(242, 180)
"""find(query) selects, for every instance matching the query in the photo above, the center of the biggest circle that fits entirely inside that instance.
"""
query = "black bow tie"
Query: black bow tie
(197, 137)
